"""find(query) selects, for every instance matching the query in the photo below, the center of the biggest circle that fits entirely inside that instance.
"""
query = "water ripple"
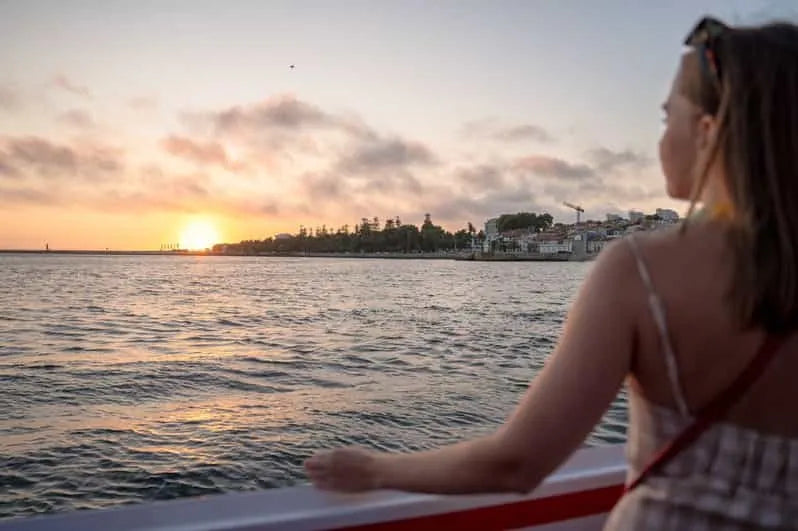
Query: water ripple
(140, 378)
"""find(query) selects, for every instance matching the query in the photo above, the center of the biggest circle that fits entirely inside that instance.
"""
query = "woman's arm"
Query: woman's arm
(561, 406)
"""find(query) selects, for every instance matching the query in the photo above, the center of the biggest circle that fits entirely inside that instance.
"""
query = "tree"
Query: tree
(524, 220)
(367, 237)
(545, 221)
(462, 239)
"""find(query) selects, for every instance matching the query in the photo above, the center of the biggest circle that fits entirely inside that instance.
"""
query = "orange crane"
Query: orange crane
(578, 209)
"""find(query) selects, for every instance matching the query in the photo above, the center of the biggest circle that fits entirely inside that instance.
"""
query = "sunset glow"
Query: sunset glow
(199, 235)
(117, 126)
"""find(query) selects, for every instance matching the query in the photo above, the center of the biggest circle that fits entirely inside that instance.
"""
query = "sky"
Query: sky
(129, 125)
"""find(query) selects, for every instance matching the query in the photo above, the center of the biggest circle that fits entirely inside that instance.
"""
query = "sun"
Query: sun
(199, 235)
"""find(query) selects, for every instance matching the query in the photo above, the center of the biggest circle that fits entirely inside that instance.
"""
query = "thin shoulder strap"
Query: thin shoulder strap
(714, 410)
(658, 312)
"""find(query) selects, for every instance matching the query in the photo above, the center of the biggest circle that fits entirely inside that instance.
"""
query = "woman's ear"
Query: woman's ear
(706, 132)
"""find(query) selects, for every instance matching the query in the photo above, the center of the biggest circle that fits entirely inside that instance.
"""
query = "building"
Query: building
(555, 247)
(492, 228)
(595, 246)
(613, 217)
(636, 216)
(666, 214)
(491, 234)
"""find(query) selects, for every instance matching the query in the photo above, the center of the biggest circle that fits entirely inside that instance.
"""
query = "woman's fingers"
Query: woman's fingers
(317, 462)
(347, 469)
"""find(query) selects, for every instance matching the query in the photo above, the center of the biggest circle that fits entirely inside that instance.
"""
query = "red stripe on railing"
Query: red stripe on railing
(511, 515)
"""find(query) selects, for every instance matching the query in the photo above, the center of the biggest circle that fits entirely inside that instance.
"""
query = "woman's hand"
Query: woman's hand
(344, 469)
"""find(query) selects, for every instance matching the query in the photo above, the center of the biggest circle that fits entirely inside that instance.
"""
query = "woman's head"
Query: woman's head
(688, 147)
(732, 133)
(685, 131)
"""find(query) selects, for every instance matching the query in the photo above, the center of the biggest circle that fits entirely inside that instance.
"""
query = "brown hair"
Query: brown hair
(756, 106)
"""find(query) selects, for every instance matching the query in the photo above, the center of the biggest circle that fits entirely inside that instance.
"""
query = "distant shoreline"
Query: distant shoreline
(405, 256)
(103, 252)
(462, 256)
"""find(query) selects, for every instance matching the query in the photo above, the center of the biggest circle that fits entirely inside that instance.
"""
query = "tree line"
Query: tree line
(525, 220)
(390, 236)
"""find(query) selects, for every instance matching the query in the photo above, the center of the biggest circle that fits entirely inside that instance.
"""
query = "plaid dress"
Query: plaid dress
(730, 478)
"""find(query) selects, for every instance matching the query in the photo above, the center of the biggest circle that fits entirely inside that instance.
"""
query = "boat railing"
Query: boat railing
(576, 496)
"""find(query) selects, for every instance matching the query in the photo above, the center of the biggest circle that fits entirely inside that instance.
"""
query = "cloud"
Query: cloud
(481, 177)
(487, 189)
(524, 132)
(288, 137)
(6, 169)
(198, 201)
(143, 103)
(190, 186)
(594, 195)
(34, 156)
(62, 82)
(283, 131)
(392, 184)
(554, 167)
(460, 208)
(281, 114)
(631, 193)
(149, 189)
(11, 197)
(475, 128)
(33, 151)
(182, 194)
(153, 189)
(492, 129)
(77, 118)
(338, 190)
(323, 187)
(607, 160)
(199, 152)
(9, 99)
(482, 191)
(307, 164)
(380, 153)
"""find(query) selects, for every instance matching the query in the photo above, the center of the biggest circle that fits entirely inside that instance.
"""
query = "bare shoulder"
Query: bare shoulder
(609, 276)
(669, 247)
(616, 259)
(660, 240)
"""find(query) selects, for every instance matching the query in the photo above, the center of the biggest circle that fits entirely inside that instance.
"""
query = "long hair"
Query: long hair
(756, 108)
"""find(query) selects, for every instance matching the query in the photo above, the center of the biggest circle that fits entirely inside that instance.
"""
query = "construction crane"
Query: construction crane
(578, 209)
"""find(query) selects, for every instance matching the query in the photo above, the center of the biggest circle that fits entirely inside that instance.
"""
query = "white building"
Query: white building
(668, 215)
(635, 216)
(595, 246)
(555, 247)
(491, 234)
(492, 228)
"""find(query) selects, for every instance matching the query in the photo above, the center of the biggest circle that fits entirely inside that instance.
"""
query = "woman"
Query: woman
(678, 314)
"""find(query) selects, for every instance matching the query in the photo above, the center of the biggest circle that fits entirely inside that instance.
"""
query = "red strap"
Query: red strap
(714, 410)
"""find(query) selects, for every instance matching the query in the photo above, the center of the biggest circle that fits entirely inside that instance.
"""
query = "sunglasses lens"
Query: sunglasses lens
(707, 28)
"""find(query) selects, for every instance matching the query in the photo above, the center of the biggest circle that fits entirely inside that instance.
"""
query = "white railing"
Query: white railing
(577, 496)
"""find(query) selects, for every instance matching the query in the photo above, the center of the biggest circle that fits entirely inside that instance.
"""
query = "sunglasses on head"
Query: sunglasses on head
(704, 38)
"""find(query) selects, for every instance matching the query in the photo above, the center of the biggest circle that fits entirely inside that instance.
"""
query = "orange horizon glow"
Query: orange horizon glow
(199, 235)
(202, 144)
(71, 230)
